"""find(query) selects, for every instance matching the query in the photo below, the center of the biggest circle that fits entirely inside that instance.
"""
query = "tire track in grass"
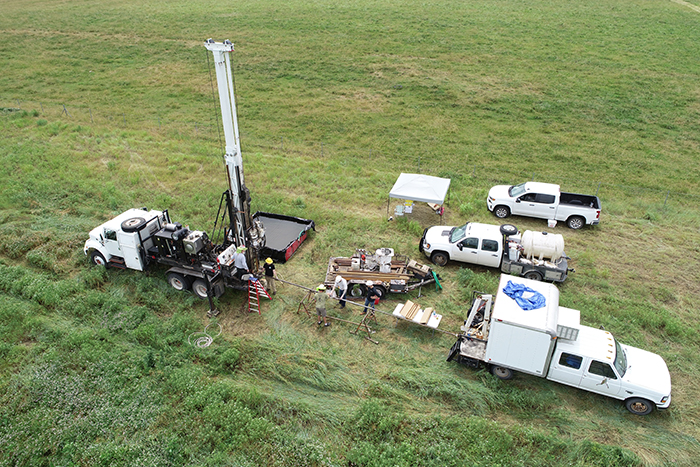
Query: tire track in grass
(689, 5)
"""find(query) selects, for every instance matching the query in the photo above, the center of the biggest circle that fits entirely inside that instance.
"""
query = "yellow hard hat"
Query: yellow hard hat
(268, 260)
(321, 287)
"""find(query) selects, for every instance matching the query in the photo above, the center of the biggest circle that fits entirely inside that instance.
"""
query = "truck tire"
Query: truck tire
(356, 290)
(134, 224)
(533, 276)
(200, 289)
(380, 291)
(98, 259)
(508, 229)
(440, 258)
(501, 211)
(575, 222)
(502, 373)
(639, 406)
(178, 281)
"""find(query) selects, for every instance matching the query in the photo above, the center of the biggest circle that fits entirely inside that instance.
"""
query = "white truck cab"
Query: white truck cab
(124, 240)
(524, 329)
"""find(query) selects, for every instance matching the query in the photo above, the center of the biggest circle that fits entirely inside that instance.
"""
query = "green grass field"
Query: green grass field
(334, 101)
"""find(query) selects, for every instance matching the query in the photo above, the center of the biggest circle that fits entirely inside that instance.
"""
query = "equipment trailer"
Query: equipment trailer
(389, 272)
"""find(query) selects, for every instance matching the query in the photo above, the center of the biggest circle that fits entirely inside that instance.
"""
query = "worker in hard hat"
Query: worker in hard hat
(341, 289)
(240, 263)
(371, 297)
(270, 275)
(321, 298)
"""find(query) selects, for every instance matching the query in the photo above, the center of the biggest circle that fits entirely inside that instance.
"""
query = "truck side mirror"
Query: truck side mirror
(517, 200)
(459, 245)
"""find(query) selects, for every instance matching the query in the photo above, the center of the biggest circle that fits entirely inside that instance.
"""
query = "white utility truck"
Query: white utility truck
(545, 201)
(535, 255)
(526, 330)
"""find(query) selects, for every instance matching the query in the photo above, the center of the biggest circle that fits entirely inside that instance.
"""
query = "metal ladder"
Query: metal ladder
(255, 289)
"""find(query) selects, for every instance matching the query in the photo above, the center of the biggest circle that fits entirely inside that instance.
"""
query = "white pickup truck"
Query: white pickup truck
(545, 201)
(526, 330)
(534, 255)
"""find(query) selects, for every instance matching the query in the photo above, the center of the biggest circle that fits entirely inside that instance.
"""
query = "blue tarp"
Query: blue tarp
(532, 301)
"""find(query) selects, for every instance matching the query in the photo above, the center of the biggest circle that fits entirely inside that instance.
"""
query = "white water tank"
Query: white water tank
(542, 245)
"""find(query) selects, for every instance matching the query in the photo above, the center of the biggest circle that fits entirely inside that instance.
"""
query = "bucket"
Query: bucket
(551, 223)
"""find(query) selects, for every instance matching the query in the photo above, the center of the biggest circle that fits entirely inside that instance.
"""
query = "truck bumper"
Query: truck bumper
(664, 405)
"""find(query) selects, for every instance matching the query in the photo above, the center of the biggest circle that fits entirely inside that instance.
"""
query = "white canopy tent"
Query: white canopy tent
(418, 187)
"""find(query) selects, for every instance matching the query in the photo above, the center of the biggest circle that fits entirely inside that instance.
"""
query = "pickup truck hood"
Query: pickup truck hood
(499, 192)
(647, 370)
(438, 235)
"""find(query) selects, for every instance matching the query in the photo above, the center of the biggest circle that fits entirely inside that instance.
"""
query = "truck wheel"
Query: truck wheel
(380, 291)
(178, 281)
(501, 372)
(639, 406)
(134, 224)
(575, 222)
(439, 258)
(508, 229)
(199, 287)
(533, 276)
(501, 211)
(98, 259)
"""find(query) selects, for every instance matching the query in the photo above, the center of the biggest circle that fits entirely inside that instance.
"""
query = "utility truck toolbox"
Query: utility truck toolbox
(524, 329)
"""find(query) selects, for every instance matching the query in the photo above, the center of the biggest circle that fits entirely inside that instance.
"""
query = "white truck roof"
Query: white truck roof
(484, 230)
(544, 188)
(543, 319)
(594, 343)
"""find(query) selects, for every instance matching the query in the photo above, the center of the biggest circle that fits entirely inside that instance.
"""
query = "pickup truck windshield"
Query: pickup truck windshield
(516, 190)
(457, 233)
(620, 359)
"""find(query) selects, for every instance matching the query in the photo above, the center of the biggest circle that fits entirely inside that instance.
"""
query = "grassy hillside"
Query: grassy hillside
(334, 102)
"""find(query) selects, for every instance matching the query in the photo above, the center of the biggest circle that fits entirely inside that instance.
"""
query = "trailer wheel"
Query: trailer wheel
(439, 258)
(200, 289)
(380, 291)
(575, 222)
(501, 211)
(134, 224)
(178, 281)
(98, 259)
(533, 276)
(357, 290)
(501, 373)
(639, 406)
